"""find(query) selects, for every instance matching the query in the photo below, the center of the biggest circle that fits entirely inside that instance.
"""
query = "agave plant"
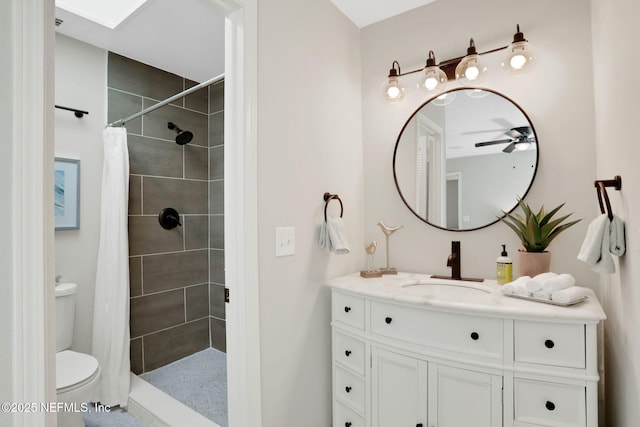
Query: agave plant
(536, 230)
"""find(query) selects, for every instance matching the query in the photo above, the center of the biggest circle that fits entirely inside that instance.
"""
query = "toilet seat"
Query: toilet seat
(74, 370)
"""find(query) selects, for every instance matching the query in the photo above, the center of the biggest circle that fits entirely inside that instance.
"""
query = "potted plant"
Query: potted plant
(536, 231)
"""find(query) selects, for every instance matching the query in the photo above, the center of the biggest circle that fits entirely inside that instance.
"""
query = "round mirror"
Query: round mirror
(464, 157)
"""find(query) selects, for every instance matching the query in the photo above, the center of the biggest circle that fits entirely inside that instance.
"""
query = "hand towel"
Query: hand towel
(561, 281)
(617, 244)
(336, 236)
(542, 295)
(595, 250)
(536, 283)
(568, 295)
(509, 288)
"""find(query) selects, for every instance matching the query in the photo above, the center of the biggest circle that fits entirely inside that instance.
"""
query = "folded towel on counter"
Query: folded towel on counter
(537, 282)
(561, 281)
(521, 290)
(509, 288)
(333, 236)
(542, 295)
(568, 295)
(595, 250)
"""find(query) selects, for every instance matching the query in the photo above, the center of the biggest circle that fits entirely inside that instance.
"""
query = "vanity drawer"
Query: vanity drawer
(553, 344)
(348, 309)
(481, 336)
(350, 389)
(350, 352)
(345, 417)
(549, 404)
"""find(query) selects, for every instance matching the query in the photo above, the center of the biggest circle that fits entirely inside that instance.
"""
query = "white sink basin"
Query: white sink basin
(438, 289)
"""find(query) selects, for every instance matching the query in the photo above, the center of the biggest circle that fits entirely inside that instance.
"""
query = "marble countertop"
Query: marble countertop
(468, 297)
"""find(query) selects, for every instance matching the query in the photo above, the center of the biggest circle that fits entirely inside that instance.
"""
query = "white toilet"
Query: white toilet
(77, 374)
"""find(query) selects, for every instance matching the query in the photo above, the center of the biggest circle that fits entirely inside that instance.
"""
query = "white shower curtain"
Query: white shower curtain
(111, 307)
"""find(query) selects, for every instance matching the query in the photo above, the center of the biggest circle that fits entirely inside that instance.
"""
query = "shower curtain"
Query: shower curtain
(111, 307)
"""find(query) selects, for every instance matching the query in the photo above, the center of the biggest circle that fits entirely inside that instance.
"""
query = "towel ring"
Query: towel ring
(601, 187)
(327, 198)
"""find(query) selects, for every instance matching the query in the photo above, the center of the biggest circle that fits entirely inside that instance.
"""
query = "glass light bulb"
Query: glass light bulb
(392, 90)
(470, 71)
(434, 79)
(522, 145)
(518, 59)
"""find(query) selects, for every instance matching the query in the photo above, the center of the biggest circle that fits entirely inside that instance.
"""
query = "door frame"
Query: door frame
(32, 340)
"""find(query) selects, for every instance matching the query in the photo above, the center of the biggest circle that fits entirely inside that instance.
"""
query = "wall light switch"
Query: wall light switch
(285, 241)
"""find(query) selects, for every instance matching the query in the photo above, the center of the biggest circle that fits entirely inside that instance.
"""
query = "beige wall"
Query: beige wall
(81, 82)
(309, 142)
(617, 150)
(557, 96)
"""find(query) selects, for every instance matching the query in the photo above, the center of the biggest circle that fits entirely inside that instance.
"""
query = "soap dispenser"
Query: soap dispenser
(504, 267)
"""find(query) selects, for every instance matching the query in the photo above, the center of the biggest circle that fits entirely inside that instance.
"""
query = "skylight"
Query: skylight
(108, 13)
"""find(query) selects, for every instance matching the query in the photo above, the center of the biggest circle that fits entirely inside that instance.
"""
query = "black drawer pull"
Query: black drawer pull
(549, 344)
(347, 353)
(347, 424)
(348, 389)
(347, 309)
(550, 405)
(475, 336)
(419, 425)
(388, 320)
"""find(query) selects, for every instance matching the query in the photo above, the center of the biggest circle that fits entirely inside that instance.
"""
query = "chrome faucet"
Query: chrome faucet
(453, 261)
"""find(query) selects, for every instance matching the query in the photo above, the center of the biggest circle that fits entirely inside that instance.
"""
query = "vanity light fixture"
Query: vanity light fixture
(434, 78)
(468, 70)
(391, 88)
(519, 56)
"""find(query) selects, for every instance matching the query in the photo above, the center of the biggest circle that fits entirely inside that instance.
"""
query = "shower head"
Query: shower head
(183, 137)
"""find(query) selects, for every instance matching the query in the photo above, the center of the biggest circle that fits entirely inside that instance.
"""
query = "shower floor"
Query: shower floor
(199, 381)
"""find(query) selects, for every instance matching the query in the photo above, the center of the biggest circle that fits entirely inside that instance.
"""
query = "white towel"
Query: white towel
(542, 295)
(521, 290)
(561, 281)
(595, 250)
(537, 282)
(568, 295)
(333, 236)
(617, 244)
(509, 288)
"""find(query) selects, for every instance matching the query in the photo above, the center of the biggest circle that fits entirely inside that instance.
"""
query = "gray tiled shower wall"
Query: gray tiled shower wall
(177, 276)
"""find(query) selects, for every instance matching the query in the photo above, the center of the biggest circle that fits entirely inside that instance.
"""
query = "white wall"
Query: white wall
(309, 142)
(557, 96)
(617, 150)
(81, 82)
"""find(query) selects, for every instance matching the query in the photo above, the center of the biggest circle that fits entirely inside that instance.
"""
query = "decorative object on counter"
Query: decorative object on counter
(333, 235)
(550, 288)
(504, 267)
(169, 218)
(454, 261)
(536, 231)
(388, 231)
(370, 272)
(605, 235)
(468, 70)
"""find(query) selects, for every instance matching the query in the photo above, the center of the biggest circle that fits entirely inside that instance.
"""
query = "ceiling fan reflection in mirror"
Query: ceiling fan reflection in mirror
(520, 138)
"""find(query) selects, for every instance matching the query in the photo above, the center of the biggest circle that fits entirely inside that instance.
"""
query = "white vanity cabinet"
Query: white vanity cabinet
(402, 359)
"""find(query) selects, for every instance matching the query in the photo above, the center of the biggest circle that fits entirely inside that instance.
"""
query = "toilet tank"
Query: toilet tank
(65, 314)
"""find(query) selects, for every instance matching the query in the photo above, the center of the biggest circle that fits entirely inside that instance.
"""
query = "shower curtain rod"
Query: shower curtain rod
(184, 93)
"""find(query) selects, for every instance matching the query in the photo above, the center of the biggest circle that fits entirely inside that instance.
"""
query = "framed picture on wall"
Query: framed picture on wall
(67, 194)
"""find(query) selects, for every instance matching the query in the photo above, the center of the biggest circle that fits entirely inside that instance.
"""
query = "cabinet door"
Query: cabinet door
(399, 390)
(464, 398)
